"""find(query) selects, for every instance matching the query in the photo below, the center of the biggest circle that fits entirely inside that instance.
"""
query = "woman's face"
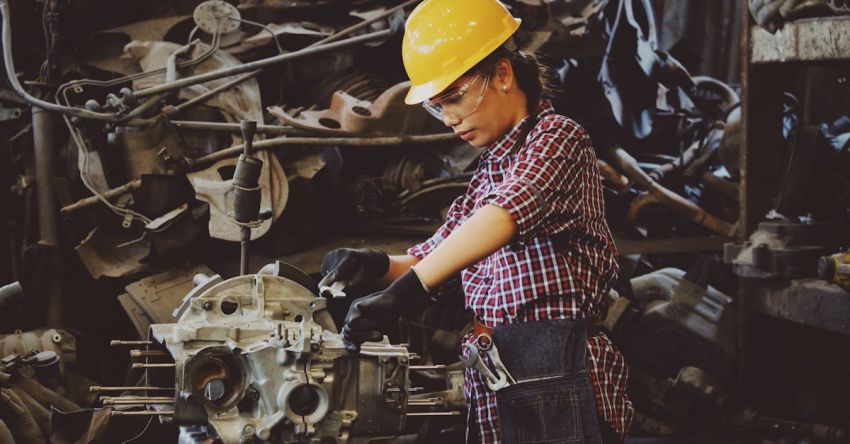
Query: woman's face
(481, 108)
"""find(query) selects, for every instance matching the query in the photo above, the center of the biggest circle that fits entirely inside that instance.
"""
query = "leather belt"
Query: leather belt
(479, 328)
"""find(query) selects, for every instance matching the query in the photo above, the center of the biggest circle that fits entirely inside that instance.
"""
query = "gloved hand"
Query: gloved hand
(352, 267)
(402, 297)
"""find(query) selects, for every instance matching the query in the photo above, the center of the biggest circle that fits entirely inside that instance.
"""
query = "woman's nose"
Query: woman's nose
(450, 120)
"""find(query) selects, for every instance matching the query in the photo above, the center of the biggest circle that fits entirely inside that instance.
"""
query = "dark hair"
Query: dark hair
(533, 77)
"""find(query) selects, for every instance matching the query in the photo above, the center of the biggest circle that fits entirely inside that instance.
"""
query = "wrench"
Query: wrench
(473, 359)
(506, 378)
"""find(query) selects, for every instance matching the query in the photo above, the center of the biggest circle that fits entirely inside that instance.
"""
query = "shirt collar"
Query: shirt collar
(499, 149)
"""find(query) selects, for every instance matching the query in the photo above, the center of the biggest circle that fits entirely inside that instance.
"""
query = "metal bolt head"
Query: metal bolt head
(264, 433)
(208, 305)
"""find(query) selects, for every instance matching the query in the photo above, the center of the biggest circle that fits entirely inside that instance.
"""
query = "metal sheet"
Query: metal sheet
(160, 294)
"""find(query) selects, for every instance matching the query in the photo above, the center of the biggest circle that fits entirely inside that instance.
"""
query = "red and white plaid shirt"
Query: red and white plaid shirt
(562, 262)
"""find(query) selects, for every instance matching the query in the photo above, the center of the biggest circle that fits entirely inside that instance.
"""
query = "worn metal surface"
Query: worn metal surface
(158, 295)
(809, 302)
(347, 115)
(112, 253)
(808, 40)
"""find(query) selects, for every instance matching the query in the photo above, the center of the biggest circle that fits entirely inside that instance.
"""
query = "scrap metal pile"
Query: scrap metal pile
(123, 128)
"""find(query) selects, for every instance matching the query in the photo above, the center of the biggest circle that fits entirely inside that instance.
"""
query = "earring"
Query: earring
(504, 88)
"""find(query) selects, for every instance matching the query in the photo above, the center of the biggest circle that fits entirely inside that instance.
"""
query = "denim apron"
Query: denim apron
(552, 401)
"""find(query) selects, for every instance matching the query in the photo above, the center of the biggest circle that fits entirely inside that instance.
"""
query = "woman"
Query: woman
(529, 237)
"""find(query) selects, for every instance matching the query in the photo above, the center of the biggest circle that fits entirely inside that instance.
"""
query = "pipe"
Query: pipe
(725, 187)
(664, 196)
(261, 145)
(678, 164)
(217, 126)
(48, 221)
(247, 179)
(239, 69)
(609, 173)
(209, 94)
(42, 134)
(131, 388)
(365, 23)
(10, 294)
(109, 194)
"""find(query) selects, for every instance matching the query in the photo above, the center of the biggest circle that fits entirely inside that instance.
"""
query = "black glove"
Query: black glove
(402, 297)
(353, 267)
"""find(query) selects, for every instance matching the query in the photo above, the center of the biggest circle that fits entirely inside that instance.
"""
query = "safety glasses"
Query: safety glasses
(458, 103)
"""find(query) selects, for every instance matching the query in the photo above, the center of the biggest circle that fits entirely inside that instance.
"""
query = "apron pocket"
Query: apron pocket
(545, 411)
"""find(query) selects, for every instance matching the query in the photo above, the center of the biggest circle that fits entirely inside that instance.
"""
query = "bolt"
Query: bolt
(264, 433)
(208, 305)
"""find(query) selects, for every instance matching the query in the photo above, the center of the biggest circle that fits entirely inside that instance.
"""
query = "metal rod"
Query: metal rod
(109, 194)
(249, 128)
(142, 353)
(261, 145)
(136, 398)
(239, 69)
(427, 367)
(425, 402)
(98, 388)
(200, 125)
(453, 413)
(141, 412)
(234, 127)
(144, 365)
(210, 94)
(141, 401)
(115, 342)
(138, 403)
(365, 23)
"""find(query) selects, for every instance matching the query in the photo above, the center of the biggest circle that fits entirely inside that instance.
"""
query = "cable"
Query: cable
(260, 25)
(16, 85)
(140, 433)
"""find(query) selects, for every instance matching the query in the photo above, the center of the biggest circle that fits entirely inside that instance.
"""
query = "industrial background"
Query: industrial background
(722, 131)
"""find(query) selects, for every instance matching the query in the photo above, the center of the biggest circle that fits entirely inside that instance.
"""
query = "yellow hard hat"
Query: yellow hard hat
(445, 38)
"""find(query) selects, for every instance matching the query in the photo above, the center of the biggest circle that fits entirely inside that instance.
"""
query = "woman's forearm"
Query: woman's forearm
(398, 266)
(489, 229)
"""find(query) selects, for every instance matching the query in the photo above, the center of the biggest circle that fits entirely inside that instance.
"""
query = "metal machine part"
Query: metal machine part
(783, 250)
(217, 16)
(258, 357)
(55, 340)
(835, 268)
(674, 321)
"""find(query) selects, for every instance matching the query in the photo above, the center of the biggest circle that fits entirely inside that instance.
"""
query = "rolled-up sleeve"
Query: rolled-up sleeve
(546, 176)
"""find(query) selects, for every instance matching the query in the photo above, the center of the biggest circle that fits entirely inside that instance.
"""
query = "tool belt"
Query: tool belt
(479, 328)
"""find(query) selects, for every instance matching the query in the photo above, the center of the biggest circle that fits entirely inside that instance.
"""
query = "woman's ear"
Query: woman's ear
(503, 75)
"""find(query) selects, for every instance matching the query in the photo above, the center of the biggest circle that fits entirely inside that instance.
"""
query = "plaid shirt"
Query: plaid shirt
(561, 263)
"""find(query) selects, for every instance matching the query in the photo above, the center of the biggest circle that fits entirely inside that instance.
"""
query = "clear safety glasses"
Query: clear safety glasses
(458, 103)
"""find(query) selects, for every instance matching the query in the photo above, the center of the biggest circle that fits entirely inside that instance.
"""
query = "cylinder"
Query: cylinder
(42, 134)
